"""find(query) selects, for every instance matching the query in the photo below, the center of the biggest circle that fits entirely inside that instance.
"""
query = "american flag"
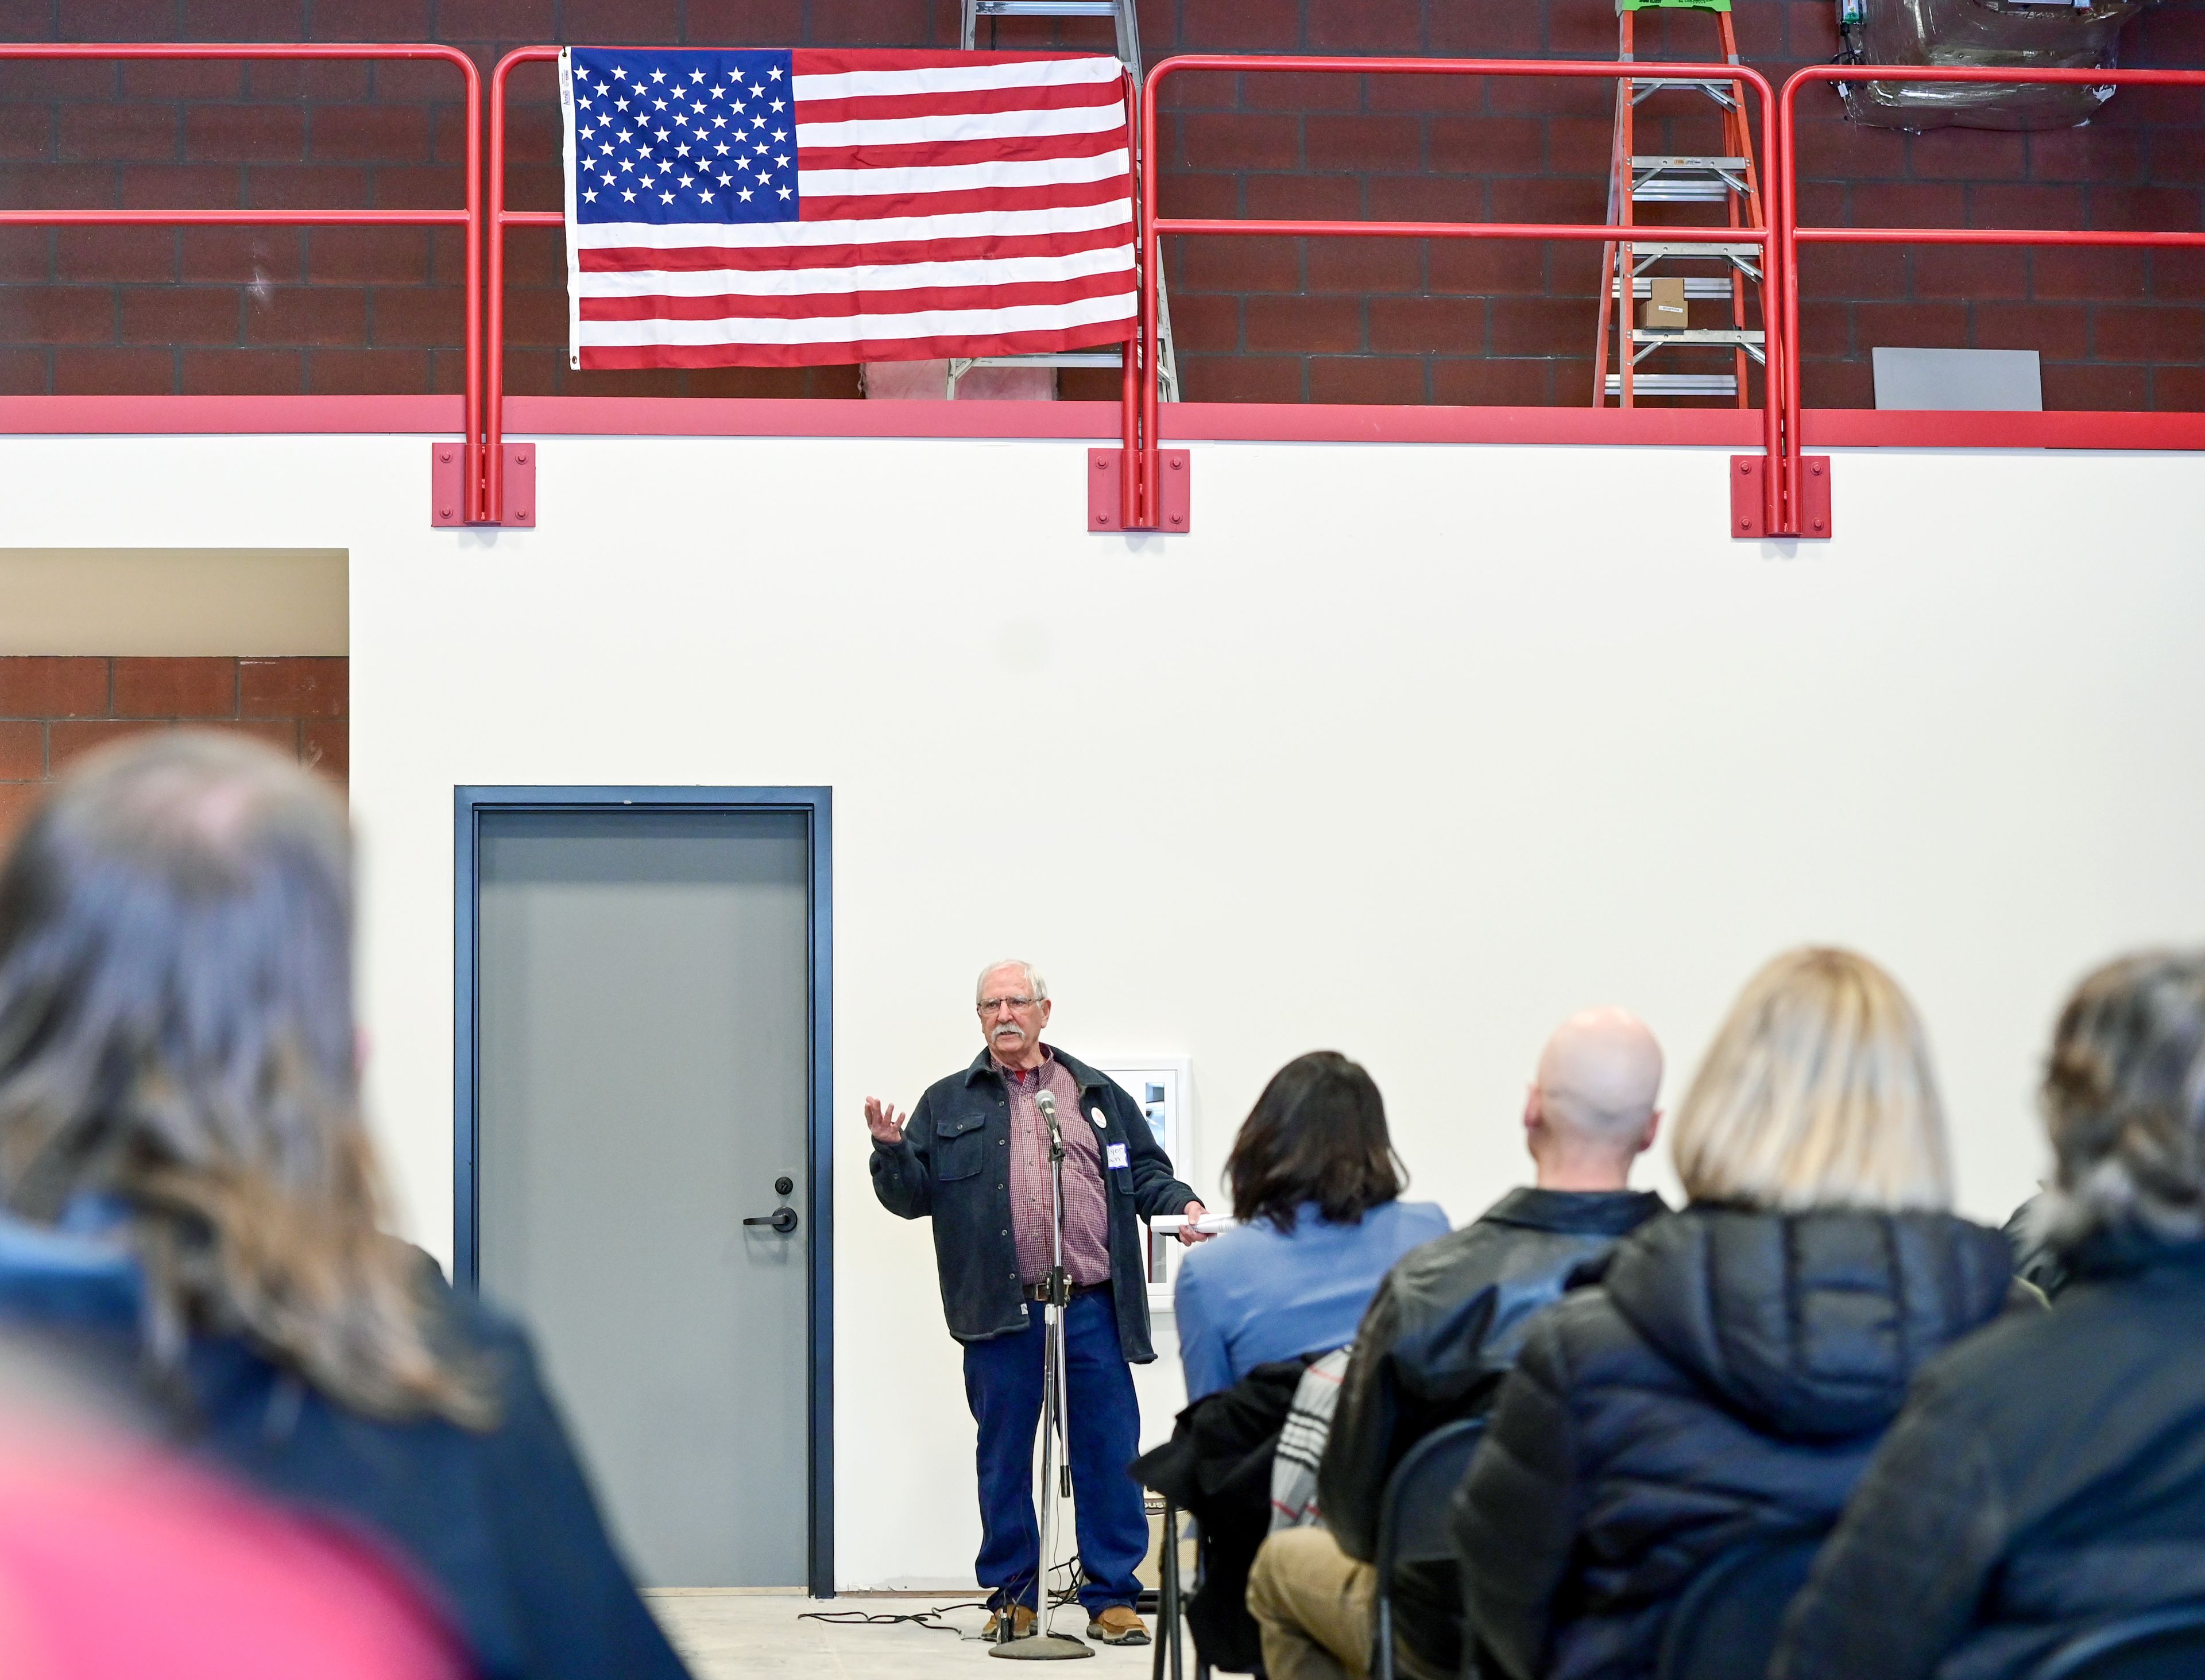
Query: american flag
(781, 208)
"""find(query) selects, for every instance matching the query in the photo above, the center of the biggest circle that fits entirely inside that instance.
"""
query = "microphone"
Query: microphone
(1060, 1280)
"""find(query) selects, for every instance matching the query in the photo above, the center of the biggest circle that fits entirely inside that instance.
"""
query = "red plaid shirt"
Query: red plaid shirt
(1086, 1214)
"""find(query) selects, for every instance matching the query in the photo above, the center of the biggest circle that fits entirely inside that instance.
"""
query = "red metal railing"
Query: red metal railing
(469, 218)
(1139, 490)
(1785, 519)
(1782, 411)
(500, 219)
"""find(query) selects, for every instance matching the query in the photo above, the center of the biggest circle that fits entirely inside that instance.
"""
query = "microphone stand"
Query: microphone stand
(1044, 1644)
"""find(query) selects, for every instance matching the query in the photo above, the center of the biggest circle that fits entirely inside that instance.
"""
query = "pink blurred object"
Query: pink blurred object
(118, 1565)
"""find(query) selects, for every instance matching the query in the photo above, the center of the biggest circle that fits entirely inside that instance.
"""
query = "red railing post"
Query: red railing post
(1141, 465)
(1783, 490)
(469, 217)
(1791, 234)
(1140, 506)
(492, 457)
(477, 503)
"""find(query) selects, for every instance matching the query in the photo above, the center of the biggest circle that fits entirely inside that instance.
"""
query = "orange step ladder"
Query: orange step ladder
(1729, 179)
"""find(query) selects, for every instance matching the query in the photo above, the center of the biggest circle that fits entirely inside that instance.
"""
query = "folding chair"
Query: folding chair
(1413, 1525)
(1725, 1622)
(2158, 1645)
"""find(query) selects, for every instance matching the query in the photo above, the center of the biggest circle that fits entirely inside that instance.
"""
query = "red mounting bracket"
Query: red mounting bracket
(448, 485)
(1106, 472)
(1748, 511)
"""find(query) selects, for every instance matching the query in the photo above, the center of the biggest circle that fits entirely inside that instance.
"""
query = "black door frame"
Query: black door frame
(471, 804)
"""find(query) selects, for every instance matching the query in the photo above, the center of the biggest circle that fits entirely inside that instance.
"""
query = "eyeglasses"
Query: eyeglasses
(990, 1006)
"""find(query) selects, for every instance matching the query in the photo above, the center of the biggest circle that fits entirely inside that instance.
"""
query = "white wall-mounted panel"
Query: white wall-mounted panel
(1406, 750)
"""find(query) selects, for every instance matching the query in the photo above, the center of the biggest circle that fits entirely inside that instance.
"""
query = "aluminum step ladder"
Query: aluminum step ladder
(1129, 54)
(1712, 273)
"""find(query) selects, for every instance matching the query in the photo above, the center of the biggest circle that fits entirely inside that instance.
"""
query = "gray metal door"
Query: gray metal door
(643, 1056)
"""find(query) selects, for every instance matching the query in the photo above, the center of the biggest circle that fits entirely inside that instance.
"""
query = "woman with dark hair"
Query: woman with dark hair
(1316, 1186)
(188, 1200)
(2049, 1476)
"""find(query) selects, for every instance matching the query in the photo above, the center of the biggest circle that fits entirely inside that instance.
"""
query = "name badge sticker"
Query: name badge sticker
(1117, 1154)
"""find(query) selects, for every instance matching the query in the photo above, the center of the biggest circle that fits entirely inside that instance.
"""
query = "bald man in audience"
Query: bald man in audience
(1441, 1332)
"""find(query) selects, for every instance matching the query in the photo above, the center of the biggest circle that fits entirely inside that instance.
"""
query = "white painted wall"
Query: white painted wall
(1406, 750)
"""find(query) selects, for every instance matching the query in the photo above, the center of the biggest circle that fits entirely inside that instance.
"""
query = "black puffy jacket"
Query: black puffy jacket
(1439, 1335)
(2046, 1477)
(1730, 1379)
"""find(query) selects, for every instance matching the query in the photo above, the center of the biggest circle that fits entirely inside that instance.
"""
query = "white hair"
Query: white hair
(1037, 988)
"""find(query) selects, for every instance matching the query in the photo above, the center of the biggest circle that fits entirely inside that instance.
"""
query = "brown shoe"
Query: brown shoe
(1118, 1625)
(1022, 1623)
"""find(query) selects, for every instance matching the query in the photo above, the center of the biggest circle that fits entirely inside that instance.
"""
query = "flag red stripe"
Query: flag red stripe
(1029, 148)
(825, 306)
(759, 259)
(868, 205)
(1096, 337)
(842, 61)
(880, 107)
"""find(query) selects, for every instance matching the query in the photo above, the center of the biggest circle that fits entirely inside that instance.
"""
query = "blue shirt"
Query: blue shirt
(1257, 1293)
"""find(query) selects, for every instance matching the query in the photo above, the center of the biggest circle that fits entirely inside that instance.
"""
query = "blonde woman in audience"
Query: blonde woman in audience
(2048, 1478)
(188, 1200)
(1730, 1379)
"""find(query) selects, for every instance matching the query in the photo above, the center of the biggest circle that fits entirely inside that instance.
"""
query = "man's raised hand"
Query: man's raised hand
(883, 1122)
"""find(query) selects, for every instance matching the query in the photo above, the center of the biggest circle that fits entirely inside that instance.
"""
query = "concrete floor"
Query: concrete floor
(729, 1634)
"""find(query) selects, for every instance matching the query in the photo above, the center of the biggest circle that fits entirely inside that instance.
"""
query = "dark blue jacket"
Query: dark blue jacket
(499, 1529)
(954, 1163)
(2047, 1478)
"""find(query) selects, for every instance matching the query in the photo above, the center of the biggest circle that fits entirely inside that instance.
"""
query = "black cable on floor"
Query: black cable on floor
(885, 1619)
(1075, 1576)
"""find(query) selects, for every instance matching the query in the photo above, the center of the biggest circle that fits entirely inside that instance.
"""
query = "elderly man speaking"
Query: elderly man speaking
(975, 1155)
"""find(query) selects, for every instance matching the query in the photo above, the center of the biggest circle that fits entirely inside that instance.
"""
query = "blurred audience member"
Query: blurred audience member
(1731, 1376)
(2049, 1476)
(117, 1563)
(1442, 1331)
(190, 1191)
(1315, 1185)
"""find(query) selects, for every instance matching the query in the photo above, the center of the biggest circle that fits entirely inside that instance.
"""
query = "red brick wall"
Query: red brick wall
(337, 310)
(52, 710)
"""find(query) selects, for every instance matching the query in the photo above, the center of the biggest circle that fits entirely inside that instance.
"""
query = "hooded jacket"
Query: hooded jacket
(1439, 1335)
(1729, 1380)
(2046, 1477)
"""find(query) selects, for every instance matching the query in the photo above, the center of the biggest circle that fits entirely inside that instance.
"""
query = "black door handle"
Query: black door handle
(782, 1219)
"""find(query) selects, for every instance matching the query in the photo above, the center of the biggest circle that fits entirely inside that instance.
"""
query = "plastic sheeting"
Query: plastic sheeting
(1983, 33)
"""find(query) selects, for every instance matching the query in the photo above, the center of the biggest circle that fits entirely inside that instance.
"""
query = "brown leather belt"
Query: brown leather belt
(1040, 1291)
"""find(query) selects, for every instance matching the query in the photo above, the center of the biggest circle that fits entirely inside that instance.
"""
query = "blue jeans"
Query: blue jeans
(1003, 1385)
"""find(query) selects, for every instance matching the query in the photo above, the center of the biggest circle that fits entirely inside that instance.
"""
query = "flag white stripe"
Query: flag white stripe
(957, 78)
(971, 126)
(840, 329)
(959, 177)
(868, 230)
(879, 276)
